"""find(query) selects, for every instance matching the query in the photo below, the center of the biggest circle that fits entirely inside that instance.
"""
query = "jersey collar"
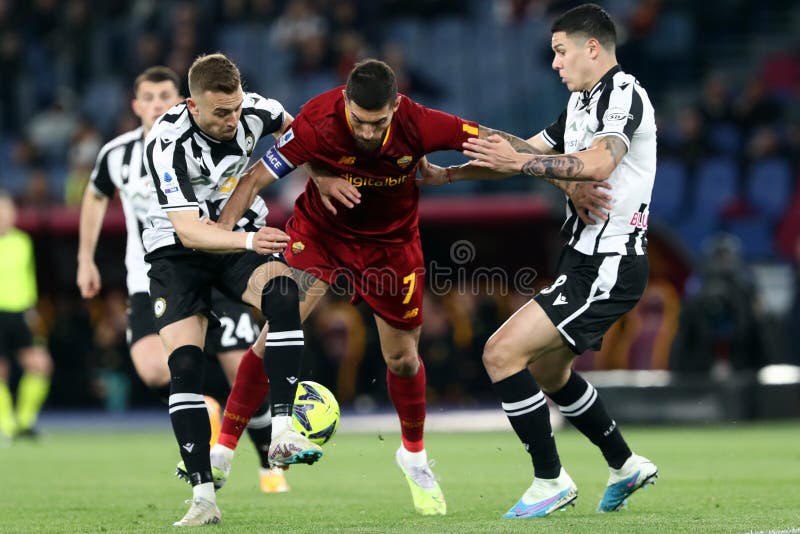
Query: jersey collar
(587, 96)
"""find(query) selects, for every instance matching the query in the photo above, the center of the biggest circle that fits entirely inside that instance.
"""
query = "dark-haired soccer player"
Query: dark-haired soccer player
(372, 139)
(607, 133)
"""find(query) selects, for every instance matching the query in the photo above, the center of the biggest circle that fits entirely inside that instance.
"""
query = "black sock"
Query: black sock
(260, 431)
(283, 358)
(578, 402)
(526, 409)
(188, 412)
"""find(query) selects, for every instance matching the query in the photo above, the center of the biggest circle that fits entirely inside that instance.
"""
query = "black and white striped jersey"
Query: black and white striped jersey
(616, 105)
(191, 171)
(120, 166)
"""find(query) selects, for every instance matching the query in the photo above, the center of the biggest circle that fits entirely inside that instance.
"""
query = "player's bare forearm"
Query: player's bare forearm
(597, 163)
(254, 180)
(519, 144)
(567, 167)
(468, 171)
(93, 209)
(200, 235)
(594, 164)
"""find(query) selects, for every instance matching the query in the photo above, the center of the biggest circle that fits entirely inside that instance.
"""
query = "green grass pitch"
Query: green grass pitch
(738, 478)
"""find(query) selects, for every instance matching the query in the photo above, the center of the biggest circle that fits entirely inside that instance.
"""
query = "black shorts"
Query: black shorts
(181, 280)
(591, 293)
(140, 318)
(14, 334)
(235, 327)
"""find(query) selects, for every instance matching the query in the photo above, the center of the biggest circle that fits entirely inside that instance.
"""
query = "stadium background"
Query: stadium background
(724, 77)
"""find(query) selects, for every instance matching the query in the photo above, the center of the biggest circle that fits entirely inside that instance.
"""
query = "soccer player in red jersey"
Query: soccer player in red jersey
(372, 140)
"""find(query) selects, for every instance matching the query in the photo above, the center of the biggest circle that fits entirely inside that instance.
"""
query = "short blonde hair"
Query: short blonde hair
(214, 72)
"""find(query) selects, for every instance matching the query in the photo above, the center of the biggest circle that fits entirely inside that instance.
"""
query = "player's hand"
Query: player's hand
(88, 279)
(430, 174)
(494, 153)
(269, 240)
(334, 188)
(590, 200)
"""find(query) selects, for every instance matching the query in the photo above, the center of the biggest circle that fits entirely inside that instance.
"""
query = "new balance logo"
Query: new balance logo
(560, 299)
(189, 447)
(291, 379)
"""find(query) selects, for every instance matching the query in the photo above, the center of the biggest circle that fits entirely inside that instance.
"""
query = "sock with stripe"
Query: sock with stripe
(188, 413)
(526, 409)
(407, 393)
(283, 357)
(31, 394)
(260, 431)
(578, 402)
(8, 424)
(249, 390)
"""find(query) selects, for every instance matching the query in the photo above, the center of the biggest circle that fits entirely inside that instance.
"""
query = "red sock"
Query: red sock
(248, 392)
(407, 393)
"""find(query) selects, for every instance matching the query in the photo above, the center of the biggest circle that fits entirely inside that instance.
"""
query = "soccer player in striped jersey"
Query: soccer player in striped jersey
(606, 134)
(120, 166)
(194, 155)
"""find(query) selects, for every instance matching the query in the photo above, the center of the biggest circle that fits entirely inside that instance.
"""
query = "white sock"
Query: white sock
(222, 450)
(280, 423)
(416, 459)
(204, 491)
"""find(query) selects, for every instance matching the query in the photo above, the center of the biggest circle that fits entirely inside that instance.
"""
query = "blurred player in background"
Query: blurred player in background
(371, 139)
(194, 155)
(18, 297)
(607, 133)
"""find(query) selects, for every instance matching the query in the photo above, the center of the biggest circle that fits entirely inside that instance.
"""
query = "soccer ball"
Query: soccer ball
(316, 412)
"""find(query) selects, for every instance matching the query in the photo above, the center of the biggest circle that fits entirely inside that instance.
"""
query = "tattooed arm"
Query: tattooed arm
(596, 163)
(434, 175)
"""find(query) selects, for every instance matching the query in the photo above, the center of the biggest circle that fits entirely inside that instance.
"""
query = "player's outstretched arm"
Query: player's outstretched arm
(252, 181)
(198, 235)
(596, 164)
(93, 209)
(431, 174)
(590, 199)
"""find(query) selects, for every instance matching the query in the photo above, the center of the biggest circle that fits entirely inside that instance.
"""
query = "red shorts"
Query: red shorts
(389, 278)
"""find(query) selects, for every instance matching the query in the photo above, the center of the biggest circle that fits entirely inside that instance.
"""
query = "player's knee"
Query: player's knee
(36, 360)
(402, 362)
(498, 352)
(186, 368)
(280, 302)
(154, 377)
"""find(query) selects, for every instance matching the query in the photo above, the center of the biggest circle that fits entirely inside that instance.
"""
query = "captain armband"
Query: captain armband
(276, 164)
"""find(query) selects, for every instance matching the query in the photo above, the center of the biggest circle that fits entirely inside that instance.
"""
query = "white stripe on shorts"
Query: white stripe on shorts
(601, 290)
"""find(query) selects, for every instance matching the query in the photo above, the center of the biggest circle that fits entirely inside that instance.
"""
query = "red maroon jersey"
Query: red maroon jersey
(386, 178)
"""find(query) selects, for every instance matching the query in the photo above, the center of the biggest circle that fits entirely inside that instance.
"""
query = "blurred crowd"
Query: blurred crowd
(724, 77)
